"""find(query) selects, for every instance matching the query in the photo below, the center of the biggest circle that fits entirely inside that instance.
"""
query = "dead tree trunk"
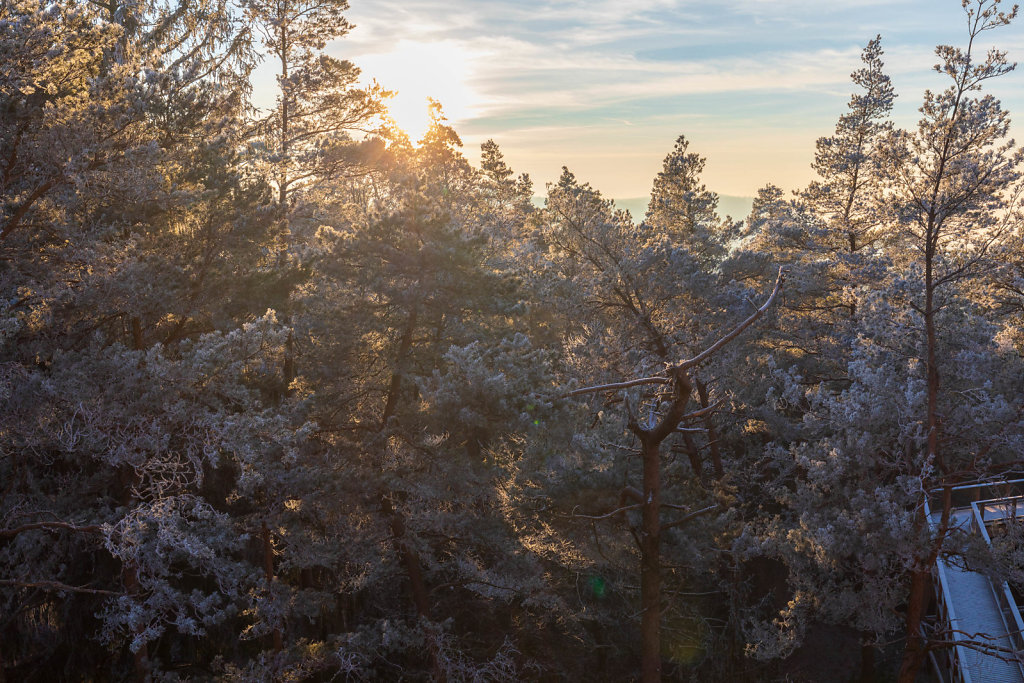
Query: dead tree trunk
(651, 438)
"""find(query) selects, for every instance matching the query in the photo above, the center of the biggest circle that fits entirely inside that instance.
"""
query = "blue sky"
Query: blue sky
(605, 86)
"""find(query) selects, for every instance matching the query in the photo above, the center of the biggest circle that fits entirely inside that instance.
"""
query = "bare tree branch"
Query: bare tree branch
(701, 413)
(614, 512)
(1007, 654)
(618, 385)
(57, 586)
(687, 518)
(714, 348)
(11, 533)
(696, 360)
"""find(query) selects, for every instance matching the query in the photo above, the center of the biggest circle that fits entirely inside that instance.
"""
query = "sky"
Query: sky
(605, 86)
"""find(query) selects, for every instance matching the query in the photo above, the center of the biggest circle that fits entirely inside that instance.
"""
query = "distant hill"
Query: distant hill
(728, 205)
(737, 207)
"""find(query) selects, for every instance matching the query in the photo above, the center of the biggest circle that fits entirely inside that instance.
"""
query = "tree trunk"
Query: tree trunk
(410, 559)
(913, 654)
(137, 340)
(693, 454)
(650, 530)
(867, 657)
(268, 575)
(920, 578)
(282, 198)
(288, 371)
(932, 361)
(414, 572)
(476, 444)
(650, 564)
(920, 595)
(709, 424)
(404, 346)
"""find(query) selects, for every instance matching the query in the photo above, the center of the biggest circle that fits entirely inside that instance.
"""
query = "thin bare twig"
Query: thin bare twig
(11, 533)
(610, 514)
(687, 518)
(57, 586)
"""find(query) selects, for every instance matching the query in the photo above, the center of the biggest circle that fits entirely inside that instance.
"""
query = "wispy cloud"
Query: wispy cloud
(571, 71)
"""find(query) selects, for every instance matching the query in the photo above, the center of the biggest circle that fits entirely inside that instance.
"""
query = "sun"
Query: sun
(417, 71)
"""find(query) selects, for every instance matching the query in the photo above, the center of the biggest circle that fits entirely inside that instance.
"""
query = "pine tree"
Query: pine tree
(682, 208)
(862, 450)
(950, 179)
(639, 302)
(308, 133)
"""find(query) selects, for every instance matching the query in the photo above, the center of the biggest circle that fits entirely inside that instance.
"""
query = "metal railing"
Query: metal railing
(1007, 498)
(958, 672)
(1008, 608)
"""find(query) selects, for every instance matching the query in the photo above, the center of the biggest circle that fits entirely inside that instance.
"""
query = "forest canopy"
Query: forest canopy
(286, 395)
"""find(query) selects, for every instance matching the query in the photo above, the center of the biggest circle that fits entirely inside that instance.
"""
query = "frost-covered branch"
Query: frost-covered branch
(696, 360)
(717, 346)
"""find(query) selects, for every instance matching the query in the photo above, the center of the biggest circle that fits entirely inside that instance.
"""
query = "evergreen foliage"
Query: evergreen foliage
(285, 396)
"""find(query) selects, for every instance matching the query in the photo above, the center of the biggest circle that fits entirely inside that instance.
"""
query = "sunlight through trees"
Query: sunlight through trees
(288, 395)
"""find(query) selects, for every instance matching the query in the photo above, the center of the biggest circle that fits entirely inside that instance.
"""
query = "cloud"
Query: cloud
(577, 54)
(572, 72)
